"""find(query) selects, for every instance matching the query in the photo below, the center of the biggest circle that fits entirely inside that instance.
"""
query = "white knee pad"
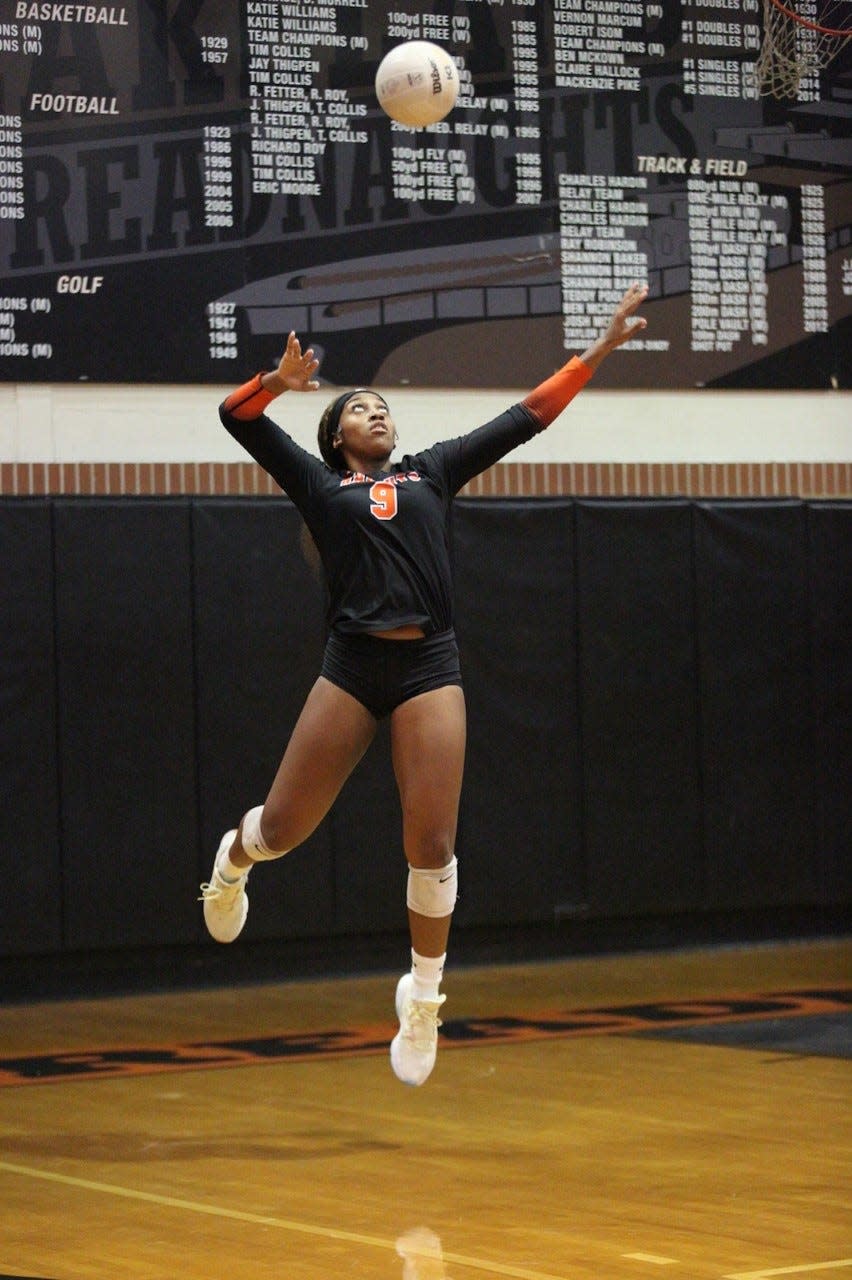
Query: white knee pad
(253, 842)
(432, 891)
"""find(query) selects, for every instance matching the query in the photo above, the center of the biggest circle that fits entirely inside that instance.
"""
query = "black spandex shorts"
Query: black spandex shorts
(381, 674)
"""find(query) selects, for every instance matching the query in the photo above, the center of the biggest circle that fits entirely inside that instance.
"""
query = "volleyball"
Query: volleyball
(417, 83)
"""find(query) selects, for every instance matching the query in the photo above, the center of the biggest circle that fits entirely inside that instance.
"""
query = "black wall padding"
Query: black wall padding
(756, 721)
(659, 698)
(126, 722)
(638, 707)
(519, 837)
(830, 574)
(29, 778)
(258, 645)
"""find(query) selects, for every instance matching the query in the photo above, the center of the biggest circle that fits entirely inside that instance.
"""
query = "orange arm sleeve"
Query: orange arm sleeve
(548, 399)
(249, 400)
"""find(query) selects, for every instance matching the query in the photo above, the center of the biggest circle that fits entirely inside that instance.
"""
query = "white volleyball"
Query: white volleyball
(417, 83)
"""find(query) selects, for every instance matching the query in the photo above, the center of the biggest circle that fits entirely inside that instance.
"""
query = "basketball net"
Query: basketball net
(796, 45)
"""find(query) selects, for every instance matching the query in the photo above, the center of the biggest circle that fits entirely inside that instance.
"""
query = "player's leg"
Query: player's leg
(329, 738)
(428, 735)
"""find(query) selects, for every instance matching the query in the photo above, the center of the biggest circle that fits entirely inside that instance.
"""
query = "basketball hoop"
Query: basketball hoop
(798, 44)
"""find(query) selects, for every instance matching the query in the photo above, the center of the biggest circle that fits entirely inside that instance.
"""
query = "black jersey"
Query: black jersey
(383, 537)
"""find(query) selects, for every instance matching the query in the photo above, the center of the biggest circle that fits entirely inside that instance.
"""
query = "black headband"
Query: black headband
(330, 423)
(336, 410)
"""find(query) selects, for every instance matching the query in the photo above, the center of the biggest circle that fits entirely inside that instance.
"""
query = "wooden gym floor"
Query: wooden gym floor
(682, 1115)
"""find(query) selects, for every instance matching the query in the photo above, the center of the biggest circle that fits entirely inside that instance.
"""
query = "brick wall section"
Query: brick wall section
(507, 479)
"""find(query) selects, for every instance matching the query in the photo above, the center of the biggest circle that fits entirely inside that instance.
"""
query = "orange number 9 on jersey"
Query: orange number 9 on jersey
(383, 500)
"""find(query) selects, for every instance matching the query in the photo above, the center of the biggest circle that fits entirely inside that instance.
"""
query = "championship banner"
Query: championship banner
(182, 182)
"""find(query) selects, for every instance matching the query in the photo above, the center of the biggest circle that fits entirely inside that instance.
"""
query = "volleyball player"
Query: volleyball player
(382, 533)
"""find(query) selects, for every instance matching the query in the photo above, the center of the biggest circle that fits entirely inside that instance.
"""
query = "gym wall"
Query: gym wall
(659, 697)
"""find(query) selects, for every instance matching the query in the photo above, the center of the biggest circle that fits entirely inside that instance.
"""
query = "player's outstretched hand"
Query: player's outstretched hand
(625, 324)
(296, 367)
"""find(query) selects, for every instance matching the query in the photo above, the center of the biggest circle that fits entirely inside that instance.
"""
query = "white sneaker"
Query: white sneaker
(225, 905)
(415, 1046)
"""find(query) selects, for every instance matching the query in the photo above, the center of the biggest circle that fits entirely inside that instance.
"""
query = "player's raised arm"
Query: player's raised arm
(294, 373)
(553, 395)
